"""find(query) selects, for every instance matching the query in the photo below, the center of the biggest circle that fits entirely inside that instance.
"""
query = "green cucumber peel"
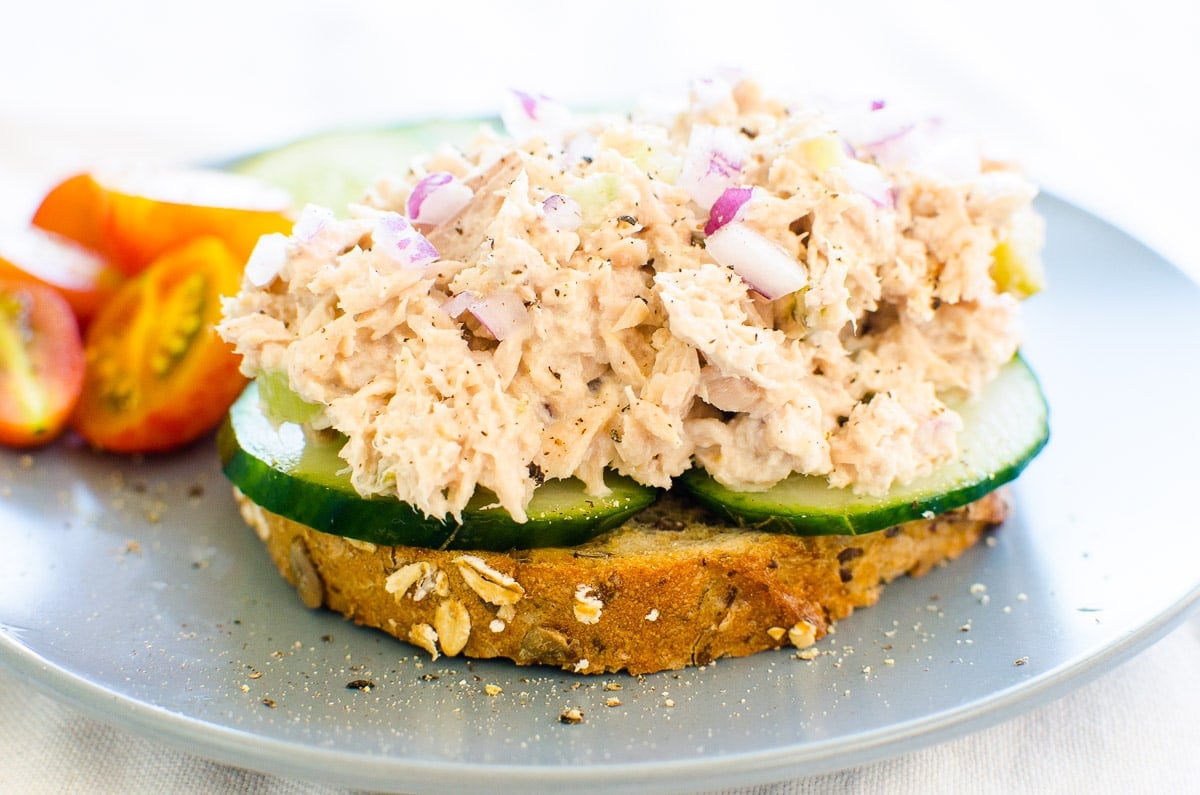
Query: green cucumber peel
(286, 471)
(1003, 431)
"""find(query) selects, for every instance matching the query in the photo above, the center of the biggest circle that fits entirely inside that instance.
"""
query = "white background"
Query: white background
(1098, 100)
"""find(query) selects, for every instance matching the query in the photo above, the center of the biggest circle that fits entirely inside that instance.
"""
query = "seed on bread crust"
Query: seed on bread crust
(452, 623)
(803, 634)
(493, 587)
(711, 590)
(405, 577)
(308, 582)
(588, 607)
(426, 637)
(546, 646)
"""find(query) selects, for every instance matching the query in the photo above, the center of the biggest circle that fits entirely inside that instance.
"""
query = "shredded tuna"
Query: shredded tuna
(636, 351)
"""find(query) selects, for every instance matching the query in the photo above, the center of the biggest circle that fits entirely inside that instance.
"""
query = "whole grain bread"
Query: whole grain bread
(668, 589)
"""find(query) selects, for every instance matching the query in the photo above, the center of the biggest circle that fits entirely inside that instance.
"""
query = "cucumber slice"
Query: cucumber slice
(1002, 432)
(335, 169)
(280, 402)
(290, 473)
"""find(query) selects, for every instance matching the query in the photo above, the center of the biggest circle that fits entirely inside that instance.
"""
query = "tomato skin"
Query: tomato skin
(78, 274)
(137, 215)
(139, 229)
(158, 376)
(75, 208)
(41, 364)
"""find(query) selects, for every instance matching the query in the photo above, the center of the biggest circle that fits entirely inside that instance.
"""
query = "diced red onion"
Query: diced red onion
(437, 198)
(526, 115)
(267, 259)
(500, 313)
(761, 263)
(726, 208)
(459, 303)
(875, 130)
(713, 162)
(311, 221)
(562, 212)
(529, 103)
(889, 145)
(925, 144)
(869, 181)
(397, 239)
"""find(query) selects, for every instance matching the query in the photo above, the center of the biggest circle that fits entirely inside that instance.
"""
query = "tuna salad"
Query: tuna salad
(747, 285)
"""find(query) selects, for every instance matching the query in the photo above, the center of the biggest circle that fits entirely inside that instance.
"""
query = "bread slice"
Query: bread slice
(668, 589)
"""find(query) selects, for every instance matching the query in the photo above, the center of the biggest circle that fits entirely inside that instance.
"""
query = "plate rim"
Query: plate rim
(232, 746)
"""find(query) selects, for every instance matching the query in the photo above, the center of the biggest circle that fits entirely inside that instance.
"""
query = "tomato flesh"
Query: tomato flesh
(41, 363)
(137, 215)
(78, 274)
(158, 376)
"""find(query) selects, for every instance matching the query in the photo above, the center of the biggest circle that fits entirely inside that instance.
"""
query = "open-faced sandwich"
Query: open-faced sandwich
(637, 393)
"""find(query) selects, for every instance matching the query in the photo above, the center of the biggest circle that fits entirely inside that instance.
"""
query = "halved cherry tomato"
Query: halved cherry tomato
(41, 363)
(78, 274)
(158, 376)
(136, 215)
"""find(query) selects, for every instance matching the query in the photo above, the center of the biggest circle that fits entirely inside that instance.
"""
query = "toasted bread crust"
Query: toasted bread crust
(660, 593)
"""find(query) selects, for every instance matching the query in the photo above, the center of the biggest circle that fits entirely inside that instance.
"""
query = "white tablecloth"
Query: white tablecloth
(1099, 103)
